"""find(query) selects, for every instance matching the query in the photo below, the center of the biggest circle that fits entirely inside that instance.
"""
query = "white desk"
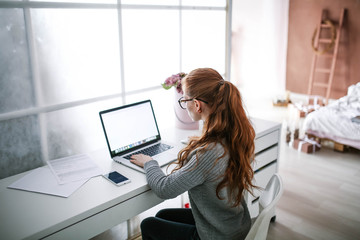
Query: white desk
(97, 205)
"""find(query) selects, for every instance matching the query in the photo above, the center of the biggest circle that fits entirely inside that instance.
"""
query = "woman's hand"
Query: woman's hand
(140, 159)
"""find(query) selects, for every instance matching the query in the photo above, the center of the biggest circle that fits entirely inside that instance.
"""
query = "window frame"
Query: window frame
(40, 109)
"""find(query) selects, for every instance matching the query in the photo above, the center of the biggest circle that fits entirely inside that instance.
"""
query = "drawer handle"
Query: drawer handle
(256, 199)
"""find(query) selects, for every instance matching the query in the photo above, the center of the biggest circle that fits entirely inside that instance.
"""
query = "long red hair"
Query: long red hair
(228, 125)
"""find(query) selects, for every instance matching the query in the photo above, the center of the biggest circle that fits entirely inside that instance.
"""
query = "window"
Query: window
(16, 83)
(63, 61)
(151, 46)
(202, 30)
(77, 52)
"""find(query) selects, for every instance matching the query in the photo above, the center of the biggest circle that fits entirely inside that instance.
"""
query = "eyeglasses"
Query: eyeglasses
(182, 102)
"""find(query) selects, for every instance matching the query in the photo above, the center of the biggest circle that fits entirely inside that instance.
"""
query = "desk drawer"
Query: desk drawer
(266, 141)
(261, 178)
(265, 157)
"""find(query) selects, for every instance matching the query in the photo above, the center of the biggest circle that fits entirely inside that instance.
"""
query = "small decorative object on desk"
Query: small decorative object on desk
(182, 119)
(306, 145)
(174, 81)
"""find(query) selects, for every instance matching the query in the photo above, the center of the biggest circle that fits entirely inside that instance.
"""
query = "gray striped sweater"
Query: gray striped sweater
(214, 218)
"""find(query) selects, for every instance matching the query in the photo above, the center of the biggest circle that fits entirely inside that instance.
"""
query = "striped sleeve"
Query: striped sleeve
(191, 175)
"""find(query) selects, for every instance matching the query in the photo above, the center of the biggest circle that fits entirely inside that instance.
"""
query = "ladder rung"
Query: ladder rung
(328, 55)
(318, 84)
(325, 40)
(323, 70)
(323, 25)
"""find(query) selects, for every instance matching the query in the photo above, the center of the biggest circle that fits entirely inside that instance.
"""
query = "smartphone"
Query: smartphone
(116, 178)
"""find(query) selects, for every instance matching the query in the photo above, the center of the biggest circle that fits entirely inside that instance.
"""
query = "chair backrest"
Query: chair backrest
(267, 201)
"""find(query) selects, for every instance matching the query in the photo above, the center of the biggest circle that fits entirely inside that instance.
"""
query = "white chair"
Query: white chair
(267, 201)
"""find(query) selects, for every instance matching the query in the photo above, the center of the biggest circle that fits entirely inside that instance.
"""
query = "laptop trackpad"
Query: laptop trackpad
(165, 158)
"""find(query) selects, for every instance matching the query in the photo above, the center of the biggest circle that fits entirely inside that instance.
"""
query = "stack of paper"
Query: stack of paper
(61, 178)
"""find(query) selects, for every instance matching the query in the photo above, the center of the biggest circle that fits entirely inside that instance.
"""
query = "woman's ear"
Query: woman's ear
(198, 106)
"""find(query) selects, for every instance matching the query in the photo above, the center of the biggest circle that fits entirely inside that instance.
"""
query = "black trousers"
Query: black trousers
(174, 223)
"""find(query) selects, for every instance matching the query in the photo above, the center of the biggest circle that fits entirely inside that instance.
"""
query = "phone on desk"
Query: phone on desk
(116, 178)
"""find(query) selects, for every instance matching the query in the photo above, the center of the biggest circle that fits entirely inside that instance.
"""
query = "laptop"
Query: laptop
(132, 129)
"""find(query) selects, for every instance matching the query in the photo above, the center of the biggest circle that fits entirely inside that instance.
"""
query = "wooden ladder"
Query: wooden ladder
(325, 47)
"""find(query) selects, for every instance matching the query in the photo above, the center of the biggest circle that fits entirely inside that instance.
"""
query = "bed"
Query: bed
(338, 121)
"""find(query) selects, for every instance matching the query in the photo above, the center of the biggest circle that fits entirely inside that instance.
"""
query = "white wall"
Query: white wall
(259, 46)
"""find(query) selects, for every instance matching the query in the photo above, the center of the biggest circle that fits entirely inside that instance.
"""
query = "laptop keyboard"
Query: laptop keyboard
(151, 151)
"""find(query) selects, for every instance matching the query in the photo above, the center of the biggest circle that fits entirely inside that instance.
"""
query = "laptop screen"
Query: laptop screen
(129, 127)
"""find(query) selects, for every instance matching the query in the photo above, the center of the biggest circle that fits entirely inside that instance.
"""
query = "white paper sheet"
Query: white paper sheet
(74, 168)
(42, 180)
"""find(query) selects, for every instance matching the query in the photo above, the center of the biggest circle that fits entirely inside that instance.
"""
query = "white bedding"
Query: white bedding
(334, 120)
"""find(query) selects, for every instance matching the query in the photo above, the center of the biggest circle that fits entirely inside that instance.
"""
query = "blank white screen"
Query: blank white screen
(129, 125)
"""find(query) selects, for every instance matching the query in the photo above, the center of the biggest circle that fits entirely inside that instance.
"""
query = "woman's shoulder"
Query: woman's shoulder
(210, 147)
(211, 152)
(216, 147)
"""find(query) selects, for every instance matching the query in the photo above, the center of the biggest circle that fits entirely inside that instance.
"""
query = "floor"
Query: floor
(321, 198)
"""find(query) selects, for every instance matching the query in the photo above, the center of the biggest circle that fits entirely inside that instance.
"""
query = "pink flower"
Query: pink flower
(174, 81)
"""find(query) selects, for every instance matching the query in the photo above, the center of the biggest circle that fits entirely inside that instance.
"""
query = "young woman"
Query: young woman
(215, 168)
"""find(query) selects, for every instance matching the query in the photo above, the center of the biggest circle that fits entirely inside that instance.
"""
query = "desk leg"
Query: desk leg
(128, 223)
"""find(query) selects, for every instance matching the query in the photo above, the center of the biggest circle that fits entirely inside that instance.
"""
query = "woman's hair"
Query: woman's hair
(228, 125)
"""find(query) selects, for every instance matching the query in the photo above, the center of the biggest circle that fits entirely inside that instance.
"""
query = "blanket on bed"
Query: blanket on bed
(337, 119)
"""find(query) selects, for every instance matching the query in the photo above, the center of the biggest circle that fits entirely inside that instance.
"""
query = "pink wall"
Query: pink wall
(304, 16)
